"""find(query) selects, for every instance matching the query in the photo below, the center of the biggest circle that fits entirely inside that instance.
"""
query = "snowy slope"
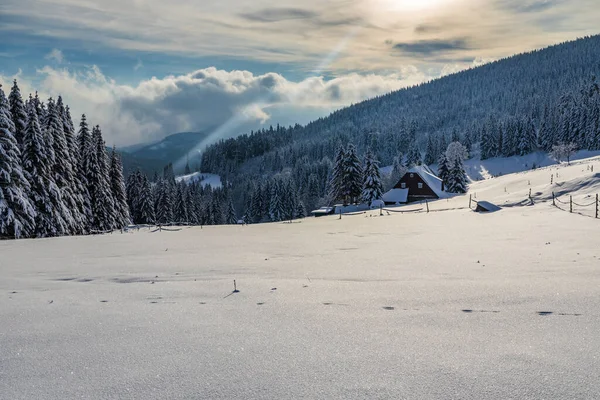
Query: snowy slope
(419, 306)
(205, 179)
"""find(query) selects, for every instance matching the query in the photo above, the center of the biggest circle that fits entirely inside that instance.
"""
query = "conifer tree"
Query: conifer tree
(300, 211)
(145, 202)
(276, 212)
(457, 178)
(372, 187)
(62, 169)
(180, 207)
(44, 193)
(17, 214)
(163, 205)
(443, 171)
(414, 156)
(353, 175)
(429, 152)
(336, 183)
(18, 113)
(231, 219)
(102, 204)
(119, 195)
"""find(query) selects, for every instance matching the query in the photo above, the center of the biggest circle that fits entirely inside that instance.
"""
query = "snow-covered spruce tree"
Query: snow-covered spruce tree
(457, 177)
(180, 208)
(276, 211)
(414, 155)
(44, 193)
(300, 211)
(102, 204)
(133, 186)
(18, 113)
(189, 194)
(256, 211)
(216, 211)
(80, 193)
(117, 186)
(336, 183)
(398, 171)
(231, 219)
(163, 206)
(372, 187)
(430, 152)
(353, 175)
(443, 171)
(145, 202)
(62, 169)
(17, 214)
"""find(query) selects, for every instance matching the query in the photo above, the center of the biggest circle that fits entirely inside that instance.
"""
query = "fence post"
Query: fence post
(529, 193)
(470, 199)
(427, 204)
(553, 201)
(340, 213)
(570, 203)
(381, 210)
(596, 205)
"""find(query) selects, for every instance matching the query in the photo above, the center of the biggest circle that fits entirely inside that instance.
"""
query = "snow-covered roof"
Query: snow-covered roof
(486, 205)
(433, 181)
(396, 196)
(323, 210)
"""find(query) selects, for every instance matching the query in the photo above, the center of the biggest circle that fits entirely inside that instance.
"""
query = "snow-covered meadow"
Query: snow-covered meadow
(448, 304)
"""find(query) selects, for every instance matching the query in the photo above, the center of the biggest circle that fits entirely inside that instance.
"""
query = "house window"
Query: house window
(420, 185)
(412, 175)
(403, 185)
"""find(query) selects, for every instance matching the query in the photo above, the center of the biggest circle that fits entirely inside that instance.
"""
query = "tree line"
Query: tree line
(53, 181)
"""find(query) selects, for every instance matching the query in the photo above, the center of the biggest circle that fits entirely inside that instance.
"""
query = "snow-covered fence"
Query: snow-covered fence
(595, 204)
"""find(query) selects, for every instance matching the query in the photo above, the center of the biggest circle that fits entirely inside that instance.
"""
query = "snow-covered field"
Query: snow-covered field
(205, 179)
(445, 305)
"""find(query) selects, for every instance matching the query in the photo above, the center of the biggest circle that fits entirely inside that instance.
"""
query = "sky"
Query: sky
(143, 69)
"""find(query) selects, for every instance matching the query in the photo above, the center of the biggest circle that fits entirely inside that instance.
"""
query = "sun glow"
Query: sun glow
(412, 5)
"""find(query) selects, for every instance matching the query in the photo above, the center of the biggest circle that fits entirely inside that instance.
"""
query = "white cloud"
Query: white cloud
(224, 102)
(55, 55)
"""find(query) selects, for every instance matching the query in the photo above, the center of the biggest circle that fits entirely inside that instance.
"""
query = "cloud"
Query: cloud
(55, 55)
(278, 14)
(225, 103)
(138, 65)
(430, 47)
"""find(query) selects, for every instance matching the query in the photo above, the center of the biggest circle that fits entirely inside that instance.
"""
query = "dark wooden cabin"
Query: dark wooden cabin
(421, 184)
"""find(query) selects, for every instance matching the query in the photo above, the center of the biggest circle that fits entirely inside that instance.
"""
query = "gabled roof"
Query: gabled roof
(396, 196)
(433, 181)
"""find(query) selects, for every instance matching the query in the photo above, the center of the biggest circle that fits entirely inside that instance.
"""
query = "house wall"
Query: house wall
(412, 184)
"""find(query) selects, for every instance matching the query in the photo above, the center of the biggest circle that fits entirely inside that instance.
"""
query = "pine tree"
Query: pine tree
(62, 170)
(336, 183)
(18, 114)
(457, 178)
(163, 206)
(276, 211)
(256, 210)
(414, 156)
(444, 171)
(231, 219)
(44, 193)
(372, 187)
(353, 175)
(102, 204)
(429, 152)
(180, 212)
(145, 202)
(119, 195)
(80, 195)
(17, 214)
(300, 211)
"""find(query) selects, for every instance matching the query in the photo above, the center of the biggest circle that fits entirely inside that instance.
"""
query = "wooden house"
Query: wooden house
(419, 183)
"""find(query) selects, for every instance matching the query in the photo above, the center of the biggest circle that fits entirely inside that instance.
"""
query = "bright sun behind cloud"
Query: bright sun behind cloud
(412, 5)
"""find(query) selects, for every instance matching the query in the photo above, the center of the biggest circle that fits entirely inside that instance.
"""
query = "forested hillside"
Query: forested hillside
(513, 106)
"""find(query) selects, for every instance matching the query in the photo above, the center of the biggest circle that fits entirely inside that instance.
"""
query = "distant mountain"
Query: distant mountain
(154, 156)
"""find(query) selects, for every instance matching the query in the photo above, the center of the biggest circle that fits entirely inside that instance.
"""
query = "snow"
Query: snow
(416, 306)
(398, 196)
(212, 180)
